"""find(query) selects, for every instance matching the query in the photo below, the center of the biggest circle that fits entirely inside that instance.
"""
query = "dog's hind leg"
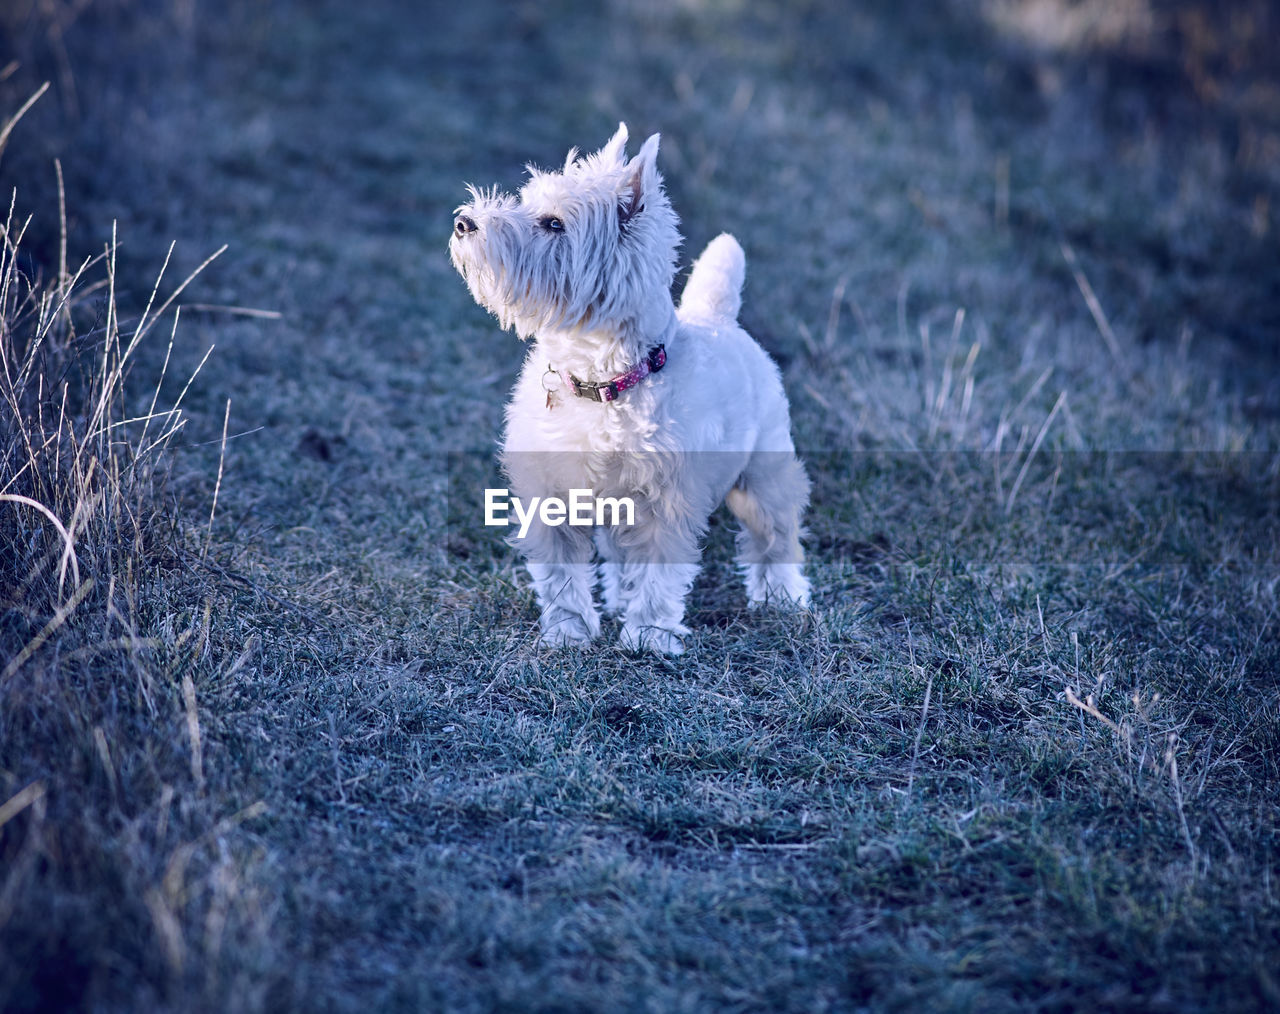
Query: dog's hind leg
(611, 586)
(769, 498)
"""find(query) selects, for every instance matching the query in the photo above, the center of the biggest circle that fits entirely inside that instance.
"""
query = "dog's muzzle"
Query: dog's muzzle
(463, 225)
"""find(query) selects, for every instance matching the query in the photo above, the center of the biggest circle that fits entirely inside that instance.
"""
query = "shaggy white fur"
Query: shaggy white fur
(582, 261)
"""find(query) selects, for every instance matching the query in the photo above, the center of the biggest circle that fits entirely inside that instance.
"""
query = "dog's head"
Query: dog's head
(589, 248)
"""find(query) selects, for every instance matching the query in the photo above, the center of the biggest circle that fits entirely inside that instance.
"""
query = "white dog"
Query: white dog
(627, 397)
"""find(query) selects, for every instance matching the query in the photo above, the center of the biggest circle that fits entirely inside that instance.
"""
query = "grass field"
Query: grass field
(275, 731)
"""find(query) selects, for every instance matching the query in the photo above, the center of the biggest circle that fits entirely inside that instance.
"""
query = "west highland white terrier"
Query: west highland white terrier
(629, 398)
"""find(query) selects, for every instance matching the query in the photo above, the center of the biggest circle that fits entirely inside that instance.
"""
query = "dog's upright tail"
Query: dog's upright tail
(714, 288)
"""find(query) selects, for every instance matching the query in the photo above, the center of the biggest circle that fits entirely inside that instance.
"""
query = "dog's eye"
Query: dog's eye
(551, 223)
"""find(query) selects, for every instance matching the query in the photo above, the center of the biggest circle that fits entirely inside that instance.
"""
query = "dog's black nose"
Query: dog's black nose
(463, 225)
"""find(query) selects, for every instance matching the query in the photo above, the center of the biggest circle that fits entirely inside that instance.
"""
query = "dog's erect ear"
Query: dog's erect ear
(640, 182)
(615, 150)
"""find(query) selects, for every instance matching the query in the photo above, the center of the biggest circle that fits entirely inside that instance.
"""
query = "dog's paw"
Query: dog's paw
(664, 642)
(780, 586)
(565, 630)
(783, 600)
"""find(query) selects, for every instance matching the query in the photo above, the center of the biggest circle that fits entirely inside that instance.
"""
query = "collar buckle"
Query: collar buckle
(608, 390)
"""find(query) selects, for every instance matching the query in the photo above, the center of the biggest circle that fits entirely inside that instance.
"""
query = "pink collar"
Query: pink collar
(608, 390)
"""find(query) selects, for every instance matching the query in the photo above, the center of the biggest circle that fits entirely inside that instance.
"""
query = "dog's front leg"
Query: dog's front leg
(655, 610)
(559, 562)
(655, 574)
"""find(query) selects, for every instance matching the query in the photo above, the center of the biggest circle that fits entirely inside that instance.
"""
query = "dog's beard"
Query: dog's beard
(527, 303)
